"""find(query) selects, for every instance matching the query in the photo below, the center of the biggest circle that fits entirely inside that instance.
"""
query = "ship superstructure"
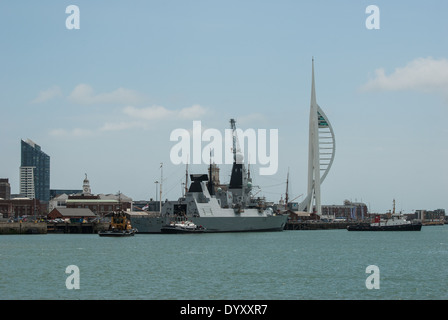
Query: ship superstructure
(231, 210)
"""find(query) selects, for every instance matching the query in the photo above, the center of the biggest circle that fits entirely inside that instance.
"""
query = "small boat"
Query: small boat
(119, 226)
(182, 227)
(395, 223)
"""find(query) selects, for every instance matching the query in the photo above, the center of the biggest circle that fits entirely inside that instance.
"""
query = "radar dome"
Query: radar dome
(239, 157)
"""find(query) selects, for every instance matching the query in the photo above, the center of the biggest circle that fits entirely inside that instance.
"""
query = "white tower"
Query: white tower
(321, 151)
(86, 187)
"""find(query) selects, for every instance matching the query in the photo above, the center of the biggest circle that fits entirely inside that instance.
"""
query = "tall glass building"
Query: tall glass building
(34, 172)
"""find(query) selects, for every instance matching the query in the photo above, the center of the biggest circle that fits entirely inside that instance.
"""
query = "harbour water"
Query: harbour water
(288, 265)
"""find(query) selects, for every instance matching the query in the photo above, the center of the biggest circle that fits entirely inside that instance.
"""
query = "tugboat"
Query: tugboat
(119, 226)
(183, 226)
(396, 223)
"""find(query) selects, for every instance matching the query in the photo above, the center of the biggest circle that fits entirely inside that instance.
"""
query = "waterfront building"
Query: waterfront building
(57, 192)
(34, 172)
(5, 189)
(347, 211)
(100, 204)
(430, 216)
(59, 197)
(20, 207)
(72, 214)
(58, 201)
(321, 152)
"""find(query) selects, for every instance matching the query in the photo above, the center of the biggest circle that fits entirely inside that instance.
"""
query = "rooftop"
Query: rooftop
(75, 212)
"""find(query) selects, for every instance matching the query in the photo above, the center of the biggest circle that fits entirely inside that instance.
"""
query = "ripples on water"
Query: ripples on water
(326, 264)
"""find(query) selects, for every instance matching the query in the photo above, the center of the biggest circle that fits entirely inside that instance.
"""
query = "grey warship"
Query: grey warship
(230, 209)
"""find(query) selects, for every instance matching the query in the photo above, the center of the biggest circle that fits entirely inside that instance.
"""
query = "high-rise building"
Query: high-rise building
(5, 189)
(34, 172)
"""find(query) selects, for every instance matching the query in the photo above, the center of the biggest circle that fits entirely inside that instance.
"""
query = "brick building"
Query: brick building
(19, 207)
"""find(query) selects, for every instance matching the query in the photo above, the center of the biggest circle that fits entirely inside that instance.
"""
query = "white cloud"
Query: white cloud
(422, 74)
(252, 119)
(193, 112)
(84, 94)
(48, 94)
(77, 132)
(153, 113)
(149, 113)
(122, 126)
(159, 112)
(134, 117)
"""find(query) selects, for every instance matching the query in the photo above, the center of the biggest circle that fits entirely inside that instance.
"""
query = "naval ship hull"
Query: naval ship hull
(215, 224)
(232, 209)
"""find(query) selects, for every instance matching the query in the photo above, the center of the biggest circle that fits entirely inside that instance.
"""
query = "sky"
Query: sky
(104, 98)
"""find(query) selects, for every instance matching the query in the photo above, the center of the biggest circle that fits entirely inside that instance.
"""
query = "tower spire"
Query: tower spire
(313, 152)
(313, 87)
(321, 151)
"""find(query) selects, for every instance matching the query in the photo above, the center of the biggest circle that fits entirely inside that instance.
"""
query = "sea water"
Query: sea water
(287, 265)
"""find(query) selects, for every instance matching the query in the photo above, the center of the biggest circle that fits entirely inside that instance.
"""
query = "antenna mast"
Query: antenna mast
(286, 195)
(233, 126)
(161, 180)
(186, 179)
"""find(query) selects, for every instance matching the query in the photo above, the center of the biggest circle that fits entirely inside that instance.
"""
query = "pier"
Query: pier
(76, 227)
(50, 227)
(23, 228)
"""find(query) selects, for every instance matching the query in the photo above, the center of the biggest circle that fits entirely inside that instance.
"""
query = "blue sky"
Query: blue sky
(104, 99)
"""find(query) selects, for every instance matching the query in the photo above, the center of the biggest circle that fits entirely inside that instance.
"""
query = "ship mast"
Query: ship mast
(211, 188)
(234, 137)
(286, 194)
(238, 177)
(161, 180)
(186, 180)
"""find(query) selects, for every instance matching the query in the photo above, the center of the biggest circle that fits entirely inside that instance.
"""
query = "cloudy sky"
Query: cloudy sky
(103, 99)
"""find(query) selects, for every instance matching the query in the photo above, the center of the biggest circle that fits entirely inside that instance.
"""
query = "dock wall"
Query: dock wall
(76, 227)
(44, 228)
(23, 228)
